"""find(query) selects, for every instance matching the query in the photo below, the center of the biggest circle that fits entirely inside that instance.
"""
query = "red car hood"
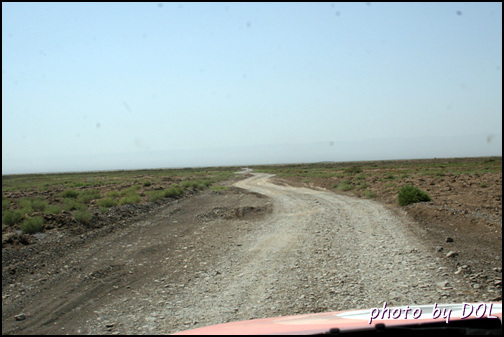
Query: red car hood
(356, 319)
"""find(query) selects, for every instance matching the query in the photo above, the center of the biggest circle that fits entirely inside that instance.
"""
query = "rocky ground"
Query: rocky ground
(463, 220)
(257, 249)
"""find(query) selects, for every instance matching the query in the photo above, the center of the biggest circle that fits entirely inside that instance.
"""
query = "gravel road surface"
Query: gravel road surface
(258, 250)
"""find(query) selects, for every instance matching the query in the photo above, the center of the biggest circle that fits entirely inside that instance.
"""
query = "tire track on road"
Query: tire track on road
(319, 251)
(316, 251)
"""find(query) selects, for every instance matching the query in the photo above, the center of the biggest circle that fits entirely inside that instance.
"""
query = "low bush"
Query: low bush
(5, 203)
(70, 194)
(173, 192)
(32, 225)
(83, 216)
(207, 182)
(30, 205)
(39, 204)
(11, 218)
(112, 194)
(52, 209)
(86, 196)
(130, 190)
(353, 170)
(222, 188)
(345, 186)
(192, 184)
(362, 186)
(130, 199)
(73, 204)
(369, 194)
(25, 203)
(107, 202)
(410, 194)
(155, 195)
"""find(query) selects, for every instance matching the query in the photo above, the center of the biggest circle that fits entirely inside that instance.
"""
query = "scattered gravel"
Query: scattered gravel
(316, 252)
(238, 255)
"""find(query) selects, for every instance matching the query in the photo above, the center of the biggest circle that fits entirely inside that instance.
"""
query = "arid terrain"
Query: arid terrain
(298, 239)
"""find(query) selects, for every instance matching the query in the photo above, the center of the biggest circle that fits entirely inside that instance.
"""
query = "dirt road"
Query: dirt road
(256, 250)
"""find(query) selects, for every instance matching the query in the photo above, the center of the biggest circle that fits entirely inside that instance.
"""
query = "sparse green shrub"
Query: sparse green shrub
(83, 216)
(39, 204)
(345, 186)
(107, 202)
(197, 184)
(173, 192)
(353, 170)
(25, 203)
(192, 184)
(112, 194)
(11, 218)
(147, 183)
(85, 199)
(155, 195)
(222, 188)
(73, 204)
(32, 225)
(44, 187)
(207, 183)
(94, 193)
(52, 209)
(130, 199)
(16, 216)
(130, 190)
(26, 210)
(410, 194)
(369, 194)
(86, 196)
(5, 203)
(362, 186)
(70, 194)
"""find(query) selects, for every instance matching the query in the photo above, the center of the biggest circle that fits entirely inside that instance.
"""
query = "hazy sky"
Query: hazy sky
(88, 86)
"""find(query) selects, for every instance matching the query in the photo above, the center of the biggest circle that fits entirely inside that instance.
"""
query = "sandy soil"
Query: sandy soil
(262, 248)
